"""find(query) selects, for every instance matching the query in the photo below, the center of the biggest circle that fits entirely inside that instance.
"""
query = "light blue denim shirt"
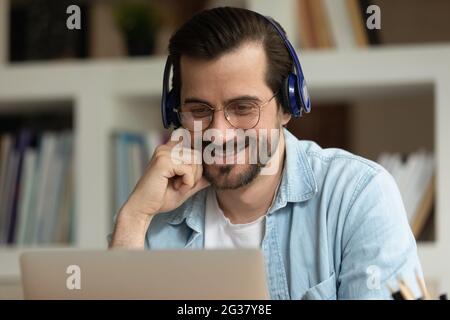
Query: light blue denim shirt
(336, 230)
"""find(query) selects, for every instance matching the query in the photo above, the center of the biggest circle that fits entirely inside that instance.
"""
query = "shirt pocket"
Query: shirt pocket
(325, 290)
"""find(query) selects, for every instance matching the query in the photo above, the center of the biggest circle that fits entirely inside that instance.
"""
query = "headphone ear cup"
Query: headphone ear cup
(285, 95)
(171, 104)
(293, 96)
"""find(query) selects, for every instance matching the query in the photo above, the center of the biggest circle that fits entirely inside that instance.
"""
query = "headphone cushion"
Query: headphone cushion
(285, 95)
(293, 96)
(171, 116)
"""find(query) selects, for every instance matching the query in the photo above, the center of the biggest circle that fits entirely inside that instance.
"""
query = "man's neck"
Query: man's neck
(250, 202)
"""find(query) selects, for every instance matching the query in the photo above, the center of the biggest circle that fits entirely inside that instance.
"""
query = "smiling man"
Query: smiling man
(330, 224)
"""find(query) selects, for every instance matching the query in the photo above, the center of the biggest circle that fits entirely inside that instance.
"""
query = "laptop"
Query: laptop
(132, 274)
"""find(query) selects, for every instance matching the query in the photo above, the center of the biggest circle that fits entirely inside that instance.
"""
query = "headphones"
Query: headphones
(294, 92)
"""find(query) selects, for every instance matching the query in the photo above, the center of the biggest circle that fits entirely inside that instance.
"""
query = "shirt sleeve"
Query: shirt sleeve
(378, 247)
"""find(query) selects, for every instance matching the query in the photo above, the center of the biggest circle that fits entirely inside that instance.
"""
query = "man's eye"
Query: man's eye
(242, 108)
(200, 111)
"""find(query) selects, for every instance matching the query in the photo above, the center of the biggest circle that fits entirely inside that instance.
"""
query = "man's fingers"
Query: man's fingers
(201, 184)
(186, 174)
(185, 155)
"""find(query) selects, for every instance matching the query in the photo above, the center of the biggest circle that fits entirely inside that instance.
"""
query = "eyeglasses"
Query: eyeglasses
(240, 114)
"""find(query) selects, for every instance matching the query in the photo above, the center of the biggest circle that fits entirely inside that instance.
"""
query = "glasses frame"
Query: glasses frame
(214, 109)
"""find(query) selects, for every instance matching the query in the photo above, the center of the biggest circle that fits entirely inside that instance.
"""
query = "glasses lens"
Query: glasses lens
(243, 114)
(191, 113)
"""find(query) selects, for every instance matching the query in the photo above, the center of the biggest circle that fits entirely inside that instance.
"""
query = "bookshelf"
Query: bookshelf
(110, 94)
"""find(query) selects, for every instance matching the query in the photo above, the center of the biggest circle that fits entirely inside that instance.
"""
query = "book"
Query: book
(320, 23)
(133, 151)
(415, 179)
(24, 209)
(306, 30)
(44, 181)
(64, 231)
(58, 165)
(423, 211)
(24, 140)
(358, 23)
(340, 24)
(5, 150)
(9, 194)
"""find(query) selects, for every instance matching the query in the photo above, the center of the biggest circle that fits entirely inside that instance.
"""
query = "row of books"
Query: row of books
(344, 24)
(416, 181)
(132, 151)
(36, 188)
(333, 23)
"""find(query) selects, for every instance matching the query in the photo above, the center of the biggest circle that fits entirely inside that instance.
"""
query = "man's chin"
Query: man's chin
(230, 176)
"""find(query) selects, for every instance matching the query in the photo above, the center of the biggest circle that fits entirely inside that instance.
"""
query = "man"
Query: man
(330, 224)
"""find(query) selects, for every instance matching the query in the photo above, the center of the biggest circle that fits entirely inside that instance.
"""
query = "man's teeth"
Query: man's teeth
(227, 153)
(220, 152)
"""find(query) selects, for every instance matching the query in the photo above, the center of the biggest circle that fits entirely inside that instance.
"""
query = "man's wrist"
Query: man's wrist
(130, 229)
(130, 215)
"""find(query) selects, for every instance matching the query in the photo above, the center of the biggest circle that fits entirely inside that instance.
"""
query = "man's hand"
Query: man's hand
(168, 181)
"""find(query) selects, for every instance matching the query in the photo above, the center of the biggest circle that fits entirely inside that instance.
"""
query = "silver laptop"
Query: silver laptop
(123, 274)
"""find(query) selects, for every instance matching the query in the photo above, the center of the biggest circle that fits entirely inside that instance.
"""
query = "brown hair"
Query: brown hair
(214, 32)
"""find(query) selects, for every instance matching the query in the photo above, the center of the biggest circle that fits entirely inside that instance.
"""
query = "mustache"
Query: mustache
(234, 143)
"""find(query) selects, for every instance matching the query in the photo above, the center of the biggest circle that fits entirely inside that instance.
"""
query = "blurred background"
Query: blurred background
(79, 109)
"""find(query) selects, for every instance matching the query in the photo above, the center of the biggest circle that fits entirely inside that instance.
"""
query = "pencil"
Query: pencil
(396, 295)
(405, 291)
(422, 287)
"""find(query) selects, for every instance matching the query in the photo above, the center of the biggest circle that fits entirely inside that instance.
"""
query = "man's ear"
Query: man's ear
(284, 116)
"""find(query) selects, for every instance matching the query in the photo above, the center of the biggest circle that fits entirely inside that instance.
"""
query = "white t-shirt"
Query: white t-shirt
(220, 233)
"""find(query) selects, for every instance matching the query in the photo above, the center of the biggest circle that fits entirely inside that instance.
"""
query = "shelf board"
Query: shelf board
(325, 70)
(9, 268)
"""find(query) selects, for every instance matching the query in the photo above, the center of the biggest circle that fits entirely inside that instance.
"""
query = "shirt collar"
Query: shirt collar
(297, 185)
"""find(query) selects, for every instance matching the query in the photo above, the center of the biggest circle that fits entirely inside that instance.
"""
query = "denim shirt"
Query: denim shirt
(336, 230)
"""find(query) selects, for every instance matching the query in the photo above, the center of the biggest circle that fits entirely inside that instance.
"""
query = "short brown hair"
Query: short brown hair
(214, 32)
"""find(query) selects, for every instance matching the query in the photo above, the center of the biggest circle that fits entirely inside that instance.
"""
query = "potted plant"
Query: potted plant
(139, 22)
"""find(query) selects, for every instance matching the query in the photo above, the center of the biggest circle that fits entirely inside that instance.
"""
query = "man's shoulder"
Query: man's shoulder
(344, 178)
(330, 157)
(340, 174)
(338, 164)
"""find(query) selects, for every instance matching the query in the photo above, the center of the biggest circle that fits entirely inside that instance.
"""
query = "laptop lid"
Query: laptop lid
(133, 274)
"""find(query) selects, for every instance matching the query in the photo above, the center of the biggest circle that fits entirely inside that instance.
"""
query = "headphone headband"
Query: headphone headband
(301, 84)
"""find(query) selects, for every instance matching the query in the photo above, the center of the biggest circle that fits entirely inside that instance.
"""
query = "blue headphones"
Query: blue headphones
(294, 92)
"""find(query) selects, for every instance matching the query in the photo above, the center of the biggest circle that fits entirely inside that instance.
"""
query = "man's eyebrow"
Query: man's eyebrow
(196, 100)
(238, 98)
(243, 98)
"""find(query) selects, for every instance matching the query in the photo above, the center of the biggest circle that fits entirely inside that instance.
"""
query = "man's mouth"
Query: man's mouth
(227, 150)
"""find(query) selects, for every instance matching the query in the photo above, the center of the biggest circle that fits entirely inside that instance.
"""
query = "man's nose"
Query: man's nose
(219, 122)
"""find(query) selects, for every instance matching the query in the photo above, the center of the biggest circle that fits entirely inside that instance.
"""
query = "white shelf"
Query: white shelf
(109, 94)
(366, 68)
(9, 268)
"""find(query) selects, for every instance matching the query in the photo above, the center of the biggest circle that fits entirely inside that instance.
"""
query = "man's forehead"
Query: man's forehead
(242, 68)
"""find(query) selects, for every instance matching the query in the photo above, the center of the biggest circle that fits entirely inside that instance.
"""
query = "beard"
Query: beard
(225, 177)
(234, 176)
